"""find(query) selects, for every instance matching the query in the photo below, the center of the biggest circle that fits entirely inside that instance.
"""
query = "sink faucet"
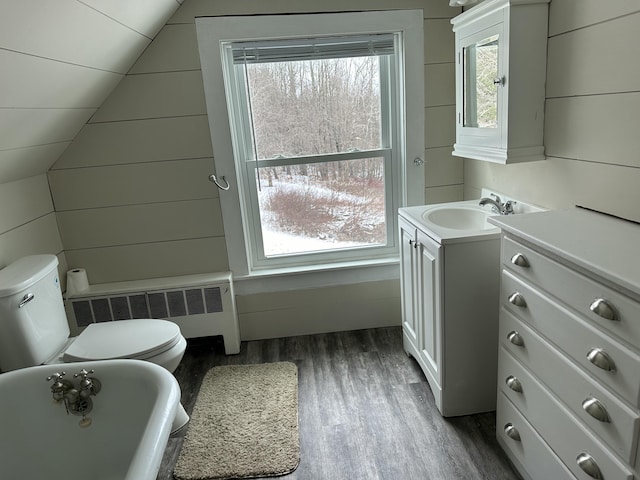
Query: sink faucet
(497, 206)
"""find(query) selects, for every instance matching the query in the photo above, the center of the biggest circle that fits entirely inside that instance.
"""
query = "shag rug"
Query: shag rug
(244, 424)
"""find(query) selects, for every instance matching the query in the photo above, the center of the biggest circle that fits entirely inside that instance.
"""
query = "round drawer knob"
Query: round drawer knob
(604, 309)
(515, 338)
(517, 299)
(514, 384)
(596, 409)
(589, 466)
(601, 359)
(512, 432)
(520, 260)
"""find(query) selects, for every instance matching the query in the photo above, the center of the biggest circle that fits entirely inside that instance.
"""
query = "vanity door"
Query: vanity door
(430, 269)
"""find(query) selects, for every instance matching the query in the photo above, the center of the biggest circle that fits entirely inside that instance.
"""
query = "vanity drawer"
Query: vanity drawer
(563, 433)
(576, 337)
(576, 290)
(527, 449)
(610, 419)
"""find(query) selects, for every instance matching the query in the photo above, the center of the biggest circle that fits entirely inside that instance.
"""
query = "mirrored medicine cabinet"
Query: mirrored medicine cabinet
(501, 50)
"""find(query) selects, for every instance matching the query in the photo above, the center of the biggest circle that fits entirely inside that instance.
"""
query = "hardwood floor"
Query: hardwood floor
(366, 411)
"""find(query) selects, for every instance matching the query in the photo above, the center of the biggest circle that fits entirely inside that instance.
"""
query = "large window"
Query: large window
(316, 126)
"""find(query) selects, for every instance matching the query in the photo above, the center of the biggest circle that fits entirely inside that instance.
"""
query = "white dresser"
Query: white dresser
(569, 354)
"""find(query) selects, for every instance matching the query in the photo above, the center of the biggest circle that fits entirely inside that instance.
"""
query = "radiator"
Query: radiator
(202, 305)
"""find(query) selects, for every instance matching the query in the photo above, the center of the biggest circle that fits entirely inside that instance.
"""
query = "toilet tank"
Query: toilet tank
(33, 323)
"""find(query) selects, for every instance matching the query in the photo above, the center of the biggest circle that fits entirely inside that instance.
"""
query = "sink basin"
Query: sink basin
(125, 438)
(459, 217)
(466, 220)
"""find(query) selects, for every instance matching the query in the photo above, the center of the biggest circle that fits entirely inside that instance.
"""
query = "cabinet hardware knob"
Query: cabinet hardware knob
(515, 338)
(520, 260)
(517, 299)
(512, 432)
(601, 359)
(499, 81)
(589, 466)
(514, 384)
(411, 242)
(604, 309)
(596, 409)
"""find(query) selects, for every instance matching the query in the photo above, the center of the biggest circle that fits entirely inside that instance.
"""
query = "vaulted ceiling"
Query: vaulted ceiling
(59, 60)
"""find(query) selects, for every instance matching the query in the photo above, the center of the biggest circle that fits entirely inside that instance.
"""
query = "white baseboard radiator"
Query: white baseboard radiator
(202, 305)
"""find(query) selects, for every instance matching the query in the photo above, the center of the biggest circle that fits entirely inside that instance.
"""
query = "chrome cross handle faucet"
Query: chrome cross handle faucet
(497, 206)
(75, 396)
(60, 386)
(88, 385)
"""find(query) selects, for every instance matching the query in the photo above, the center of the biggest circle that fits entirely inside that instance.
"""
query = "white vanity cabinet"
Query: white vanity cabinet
(501, 48)
(569, 356)
(450, 312)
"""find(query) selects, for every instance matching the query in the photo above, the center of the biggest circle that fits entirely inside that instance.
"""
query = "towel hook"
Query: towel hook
(214, 179)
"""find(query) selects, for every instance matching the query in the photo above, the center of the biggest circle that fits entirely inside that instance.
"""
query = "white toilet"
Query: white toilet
(34, 328)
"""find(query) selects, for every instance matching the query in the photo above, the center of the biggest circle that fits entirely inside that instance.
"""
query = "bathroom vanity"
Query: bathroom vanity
(450, 291)
(569, 356)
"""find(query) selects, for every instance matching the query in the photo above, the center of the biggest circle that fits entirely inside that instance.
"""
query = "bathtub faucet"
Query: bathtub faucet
(60, 387)
(88, 385)
(497, 206)
(76, 398)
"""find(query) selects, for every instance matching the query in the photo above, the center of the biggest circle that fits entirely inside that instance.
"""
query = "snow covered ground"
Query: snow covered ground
(277, 240)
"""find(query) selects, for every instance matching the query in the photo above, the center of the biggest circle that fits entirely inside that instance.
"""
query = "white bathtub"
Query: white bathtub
(130, 423)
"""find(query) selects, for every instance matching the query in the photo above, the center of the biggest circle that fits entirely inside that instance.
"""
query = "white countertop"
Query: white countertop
(444, 235)
(604, 245)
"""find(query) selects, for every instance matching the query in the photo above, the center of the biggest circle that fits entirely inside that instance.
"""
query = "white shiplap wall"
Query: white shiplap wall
(132, 194)
(27, 221)
(59, 61)
(591, 115)
(148, 145)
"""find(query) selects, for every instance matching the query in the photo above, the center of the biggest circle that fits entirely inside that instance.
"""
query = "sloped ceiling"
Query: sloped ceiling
(59, 60)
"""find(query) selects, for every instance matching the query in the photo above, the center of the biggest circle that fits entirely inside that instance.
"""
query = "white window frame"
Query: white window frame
(216, 32)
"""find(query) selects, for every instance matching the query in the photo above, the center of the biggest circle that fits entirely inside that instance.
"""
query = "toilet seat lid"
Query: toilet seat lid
(140, 338)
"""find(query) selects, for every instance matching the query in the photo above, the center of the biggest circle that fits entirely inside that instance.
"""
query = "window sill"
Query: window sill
(317, 276)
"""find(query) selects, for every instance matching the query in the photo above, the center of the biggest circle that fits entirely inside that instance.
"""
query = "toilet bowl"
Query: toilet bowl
(34, 328)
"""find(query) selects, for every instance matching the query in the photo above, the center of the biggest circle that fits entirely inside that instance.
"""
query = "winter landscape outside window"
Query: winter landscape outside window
(313, 141)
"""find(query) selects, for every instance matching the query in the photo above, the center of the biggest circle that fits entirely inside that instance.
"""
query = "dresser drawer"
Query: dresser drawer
(566, 436)
(576, 337)
(614, 422)
(576, 290)
(525, 447)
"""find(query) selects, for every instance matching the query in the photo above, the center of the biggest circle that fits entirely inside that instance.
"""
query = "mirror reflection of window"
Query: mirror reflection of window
(480, 69)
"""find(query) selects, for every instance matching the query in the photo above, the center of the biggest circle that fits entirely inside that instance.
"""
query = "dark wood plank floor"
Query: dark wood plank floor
(365, 408)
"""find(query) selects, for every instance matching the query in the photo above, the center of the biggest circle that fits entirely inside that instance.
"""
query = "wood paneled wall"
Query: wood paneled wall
(591, 115)
(133, 184)
(132, 195)
(27, 221)
(58, 62)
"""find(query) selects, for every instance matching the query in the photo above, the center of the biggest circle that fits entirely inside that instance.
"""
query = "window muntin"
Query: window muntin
(315, 128)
